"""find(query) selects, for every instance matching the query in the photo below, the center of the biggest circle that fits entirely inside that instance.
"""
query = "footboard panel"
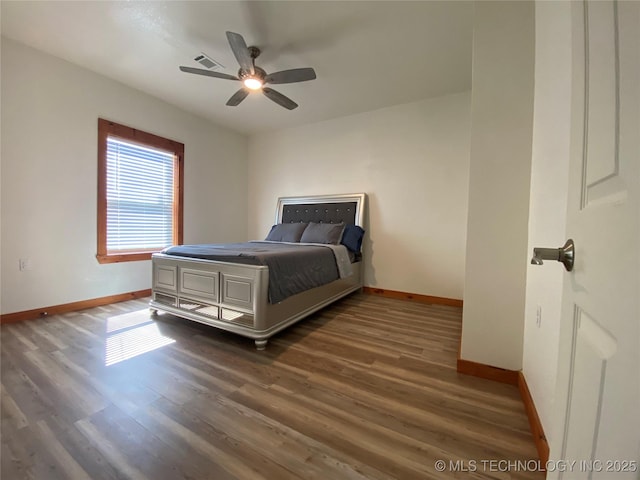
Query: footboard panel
(235, 297)
(216, 290)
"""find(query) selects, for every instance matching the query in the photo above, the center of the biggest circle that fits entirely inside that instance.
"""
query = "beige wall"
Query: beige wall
(501, 130)
(411, 159)
(49, 176)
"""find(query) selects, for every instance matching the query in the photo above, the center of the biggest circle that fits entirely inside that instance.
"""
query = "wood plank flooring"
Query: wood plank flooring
(364, 389)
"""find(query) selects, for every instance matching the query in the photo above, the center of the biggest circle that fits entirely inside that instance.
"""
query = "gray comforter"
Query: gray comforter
(293, 268)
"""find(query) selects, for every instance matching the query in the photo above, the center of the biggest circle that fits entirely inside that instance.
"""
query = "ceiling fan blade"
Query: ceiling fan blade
(208, 73)
(237, 97)
(241, 51)
(280, 99)
(291, 76)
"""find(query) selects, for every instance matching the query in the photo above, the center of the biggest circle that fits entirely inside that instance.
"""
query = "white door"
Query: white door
(598, 395)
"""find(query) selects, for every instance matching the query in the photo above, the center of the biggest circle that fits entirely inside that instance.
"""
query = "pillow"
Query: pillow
(323, 233)
(286, 232)
(352, 238)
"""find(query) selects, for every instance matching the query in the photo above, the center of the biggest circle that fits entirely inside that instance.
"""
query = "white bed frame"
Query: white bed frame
(234, 297)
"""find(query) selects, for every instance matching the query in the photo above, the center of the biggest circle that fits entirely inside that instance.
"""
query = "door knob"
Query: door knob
(565, 255)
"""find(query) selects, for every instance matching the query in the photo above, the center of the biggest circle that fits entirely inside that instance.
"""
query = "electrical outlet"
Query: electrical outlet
(24, 264)
(539, 316)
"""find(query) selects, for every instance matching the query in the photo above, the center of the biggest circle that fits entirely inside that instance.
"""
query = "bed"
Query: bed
(237, 297)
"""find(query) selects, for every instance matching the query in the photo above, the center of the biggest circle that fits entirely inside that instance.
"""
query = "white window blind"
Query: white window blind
(139, 197)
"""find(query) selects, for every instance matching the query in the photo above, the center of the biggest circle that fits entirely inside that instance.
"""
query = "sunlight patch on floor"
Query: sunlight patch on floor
(230, 314)
(137, 334)
(127, 320)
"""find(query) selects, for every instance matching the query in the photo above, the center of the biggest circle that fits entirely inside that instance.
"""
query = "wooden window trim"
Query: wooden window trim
(107, 128)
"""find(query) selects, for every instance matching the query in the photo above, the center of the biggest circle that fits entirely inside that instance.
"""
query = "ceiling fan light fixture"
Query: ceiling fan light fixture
(252, 83)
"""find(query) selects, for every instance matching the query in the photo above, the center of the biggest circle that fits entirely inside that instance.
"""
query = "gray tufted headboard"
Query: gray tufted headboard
(347, 208)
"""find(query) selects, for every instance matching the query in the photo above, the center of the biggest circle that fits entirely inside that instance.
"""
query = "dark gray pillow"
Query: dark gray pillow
(323, 233)
(286, 232)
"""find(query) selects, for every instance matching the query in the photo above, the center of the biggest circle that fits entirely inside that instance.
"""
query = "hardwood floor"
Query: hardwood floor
(364, 389)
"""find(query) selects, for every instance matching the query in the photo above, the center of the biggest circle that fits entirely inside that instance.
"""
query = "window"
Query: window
(140, 182)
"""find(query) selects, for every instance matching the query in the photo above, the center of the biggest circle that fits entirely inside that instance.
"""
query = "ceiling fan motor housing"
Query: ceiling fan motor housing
(260, 73)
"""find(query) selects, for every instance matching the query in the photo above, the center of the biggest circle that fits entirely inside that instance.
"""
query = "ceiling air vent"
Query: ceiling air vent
(208, 62)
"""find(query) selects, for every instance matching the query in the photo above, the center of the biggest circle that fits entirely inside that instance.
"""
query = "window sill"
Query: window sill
(124, 257)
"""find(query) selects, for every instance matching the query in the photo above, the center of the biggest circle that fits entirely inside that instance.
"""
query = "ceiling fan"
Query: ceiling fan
(254, 78)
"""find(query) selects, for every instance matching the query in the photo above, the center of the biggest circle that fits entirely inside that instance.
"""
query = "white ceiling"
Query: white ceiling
(367, 54)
